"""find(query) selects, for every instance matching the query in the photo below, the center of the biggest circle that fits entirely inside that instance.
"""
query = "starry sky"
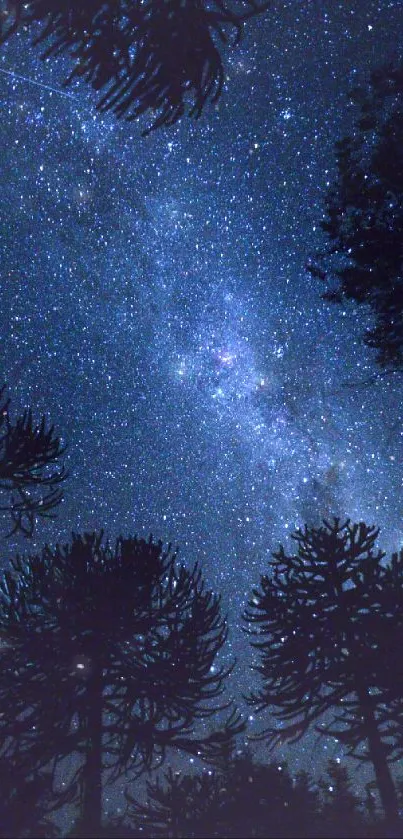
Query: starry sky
(155, 304)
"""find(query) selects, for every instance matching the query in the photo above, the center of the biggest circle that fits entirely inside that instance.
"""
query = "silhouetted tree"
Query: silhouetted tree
(340, 814)
(247, 799)
(259, 798)
(26, 803)
(325, 625)
(30, 472)
(363, 224)
(107, 656)
(179, 805)
(252, 799)
(146, 55)
(306, 813)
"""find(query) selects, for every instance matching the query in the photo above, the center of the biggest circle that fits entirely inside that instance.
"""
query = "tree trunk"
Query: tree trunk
(377, 753)
(92, 792)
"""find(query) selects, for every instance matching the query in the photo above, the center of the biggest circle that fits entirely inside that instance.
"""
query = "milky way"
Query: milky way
(156, 306)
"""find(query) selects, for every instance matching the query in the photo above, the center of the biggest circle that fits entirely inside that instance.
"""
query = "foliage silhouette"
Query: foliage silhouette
(144, 56)
(242, 801)
(180, 805)
(340, 813)
(107, 656)
(250, 799)
(29, 468)
(363, 224)
(24, 804)
(326, 626)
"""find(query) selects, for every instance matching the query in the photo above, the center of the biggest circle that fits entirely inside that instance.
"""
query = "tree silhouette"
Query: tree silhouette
(326, 626)
(305, 810)
(179, 805)
(107, 656)
(29, 468)
(248, 799)
(363, 225)
(340, 808)
(145, 55)
(30, 819)
(252, 799)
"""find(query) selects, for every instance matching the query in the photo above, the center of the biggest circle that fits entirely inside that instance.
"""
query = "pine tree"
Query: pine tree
(25, 805)
(179, 805)
(30, 472)
(306, 817)
(363, 223)
(340, 811)
(107, 655)
(248, 799)
(326, 627)
(154, 56)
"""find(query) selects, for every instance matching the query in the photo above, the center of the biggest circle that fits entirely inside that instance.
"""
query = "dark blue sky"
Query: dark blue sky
(155, 303)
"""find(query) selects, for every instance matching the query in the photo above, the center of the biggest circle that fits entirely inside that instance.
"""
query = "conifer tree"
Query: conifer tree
(248, 799)
(107, 657)
(306, 815)
(340, 810)
(25, 805)
(363, 225)
(180, 804)
(326, 627)
(30, 469)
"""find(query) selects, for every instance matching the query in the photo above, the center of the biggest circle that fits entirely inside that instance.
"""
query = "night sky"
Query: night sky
(156, 307)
